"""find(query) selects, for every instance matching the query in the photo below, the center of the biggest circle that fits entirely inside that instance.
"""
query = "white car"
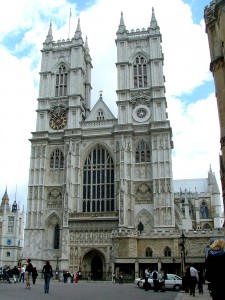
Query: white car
(172, 282)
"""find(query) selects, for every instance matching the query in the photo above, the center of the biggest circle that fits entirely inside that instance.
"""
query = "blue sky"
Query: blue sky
(189, 84)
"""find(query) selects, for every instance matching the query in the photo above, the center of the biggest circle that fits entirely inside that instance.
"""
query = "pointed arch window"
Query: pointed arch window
(204, 211)
(61, 82)
(148, 252)
(142, 153)
(100, 114)
(56, 236)
(57, 159)
(167, 252)
(98, 182)
(140, 72)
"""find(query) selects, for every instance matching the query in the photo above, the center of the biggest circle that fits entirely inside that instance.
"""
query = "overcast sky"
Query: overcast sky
(190, 91)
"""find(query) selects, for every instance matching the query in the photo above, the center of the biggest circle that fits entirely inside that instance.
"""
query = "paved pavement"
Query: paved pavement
(89, 290)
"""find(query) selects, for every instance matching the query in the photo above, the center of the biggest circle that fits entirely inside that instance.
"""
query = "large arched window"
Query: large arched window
(98, 182)
(204, 211)
(56, 236)
(61, 82)
(57, 159)
(140, 72)
(142, 153)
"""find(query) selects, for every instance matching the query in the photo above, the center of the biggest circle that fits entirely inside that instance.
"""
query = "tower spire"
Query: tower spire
(153, 23)
(49, 36)
(78, 34)
(5, 198)
(122, 27)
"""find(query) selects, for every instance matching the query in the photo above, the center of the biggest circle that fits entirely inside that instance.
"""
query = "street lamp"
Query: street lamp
(182, 251)
(57, 269)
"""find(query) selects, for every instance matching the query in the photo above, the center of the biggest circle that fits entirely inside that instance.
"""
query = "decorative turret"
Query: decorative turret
(153, 23)
(49, 38)
(78, 34)
(5, 198)
(122, 27)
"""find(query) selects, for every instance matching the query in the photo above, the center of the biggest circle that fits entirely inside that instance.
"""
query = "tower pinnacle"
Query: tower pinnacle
(122, 27)
(49, 36)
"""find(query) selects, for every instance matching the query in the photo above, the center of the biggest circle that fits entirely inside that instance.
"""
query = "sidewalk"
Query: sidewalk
(186, 296)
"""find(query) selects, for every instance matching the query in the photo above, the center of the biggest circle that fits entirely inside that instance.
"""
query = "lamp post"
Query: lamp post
(57, 269)
(182, 251)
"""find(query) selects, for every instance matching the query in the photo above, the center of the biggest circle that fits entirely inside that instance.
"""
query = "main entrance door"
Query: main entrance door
(93, 263)
(96, 267)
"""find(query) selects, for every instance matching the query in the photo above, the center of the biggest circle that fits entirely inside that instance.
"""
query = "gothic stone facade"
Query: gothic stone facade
(100, 188)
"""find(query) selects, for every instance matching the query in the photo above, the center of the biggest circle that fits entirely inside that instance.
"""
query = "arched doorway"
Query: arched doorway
(94, 263)
(96, 267)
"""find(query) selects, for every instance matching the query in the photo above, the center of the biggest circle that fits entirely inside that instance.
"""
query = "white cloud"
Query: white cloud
(185, 47)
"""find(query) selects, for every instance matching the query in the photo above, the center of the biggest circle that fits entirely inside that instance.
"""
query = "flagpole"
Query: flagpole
(69, 24)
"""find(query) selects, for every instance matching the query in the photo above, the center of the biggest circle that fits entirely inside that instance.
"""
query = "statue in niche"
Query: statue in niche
(140, 227)
(204, 210)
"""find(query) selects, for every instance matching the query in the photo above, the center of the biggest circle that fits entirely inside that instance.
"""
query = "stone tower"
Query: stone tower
(214, 19)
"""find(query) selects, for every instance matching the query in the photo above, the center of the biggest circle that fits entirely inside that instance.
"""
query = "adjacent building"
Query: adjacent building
(214, 19)
(11, 232)
(101, 191)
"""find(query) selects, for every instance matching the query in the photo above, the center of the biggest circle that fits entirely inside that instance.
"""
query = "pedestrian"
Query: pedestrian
(215, 263)
(28, 273)
(193, 280)
(22, 273)
(200, 282)
(34, 274)
(162, 277)
(77, 277)
(113, 277)
(6, 273)
(48, 273)
(15, 273)
(120, 278)
(186, 279)
(72, 277)
(146, 275)
(155, 280)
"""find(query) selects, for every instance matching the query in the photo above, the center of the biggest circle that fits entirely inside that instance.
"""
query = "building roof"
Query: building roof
(191, 185)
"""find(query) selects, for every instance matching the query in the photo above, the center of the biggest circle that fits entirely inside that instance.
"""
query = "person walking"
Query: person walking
(147, 274)
(162, 277)
(15, 273)
(200, 282)
(155, 280)
(48, 273)
(22, 273)
(113, 277)
(34, 274)
(215, 263)
(120, 278)
(28, 273)
(193, 280)
(77, 277)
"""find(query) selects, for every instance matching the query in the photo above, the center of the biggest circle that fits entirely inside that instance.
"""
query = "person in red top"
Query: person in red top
(77, 277)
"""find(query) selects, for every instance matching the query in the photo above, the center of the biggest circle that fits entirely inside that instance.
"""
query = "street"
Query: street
(81, 291)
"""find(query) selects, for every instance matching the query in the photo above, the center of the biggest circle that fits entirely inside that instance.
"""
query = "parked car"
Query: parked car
(172, 282)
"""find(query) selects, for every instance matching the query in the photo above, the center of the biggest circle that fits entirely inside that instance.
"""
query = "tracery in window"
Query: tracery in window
(167, 252)
(61, 82)
(100, 114)
(11, 221)
(57, 159)
(142, 153)
(98, 182)
(204, 211)
(148, 252)
(140, 72)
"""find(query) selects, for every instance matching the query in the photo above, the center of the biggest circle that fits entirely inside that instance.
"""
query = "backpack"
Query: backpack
(154, 275)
